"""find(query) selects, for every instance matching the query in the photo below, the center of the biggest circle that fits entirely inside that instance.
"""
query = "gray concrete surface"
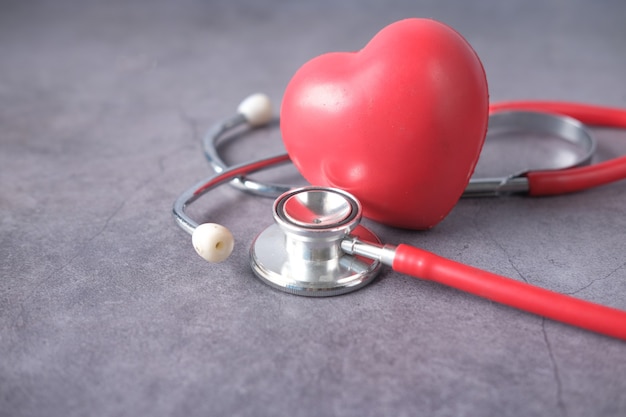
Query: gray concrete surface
(105, 310)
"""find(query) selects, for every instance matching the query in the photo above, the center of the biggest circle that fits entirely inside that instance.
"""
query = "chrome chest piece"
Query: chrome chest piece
(301, 253)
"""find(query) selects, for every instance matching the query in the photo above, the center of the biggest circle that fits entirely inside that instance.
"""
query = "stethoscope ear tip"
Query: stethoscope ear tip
(213, 242)
(257, 109)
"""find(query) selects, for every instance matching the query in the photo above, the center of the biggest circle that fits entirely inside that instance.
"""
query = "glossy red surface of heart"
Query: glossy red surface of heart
(400, 124)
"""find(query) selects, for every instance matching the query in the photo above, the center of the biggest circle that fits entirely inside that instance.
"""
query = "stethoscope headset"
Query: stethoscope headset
(317, 247)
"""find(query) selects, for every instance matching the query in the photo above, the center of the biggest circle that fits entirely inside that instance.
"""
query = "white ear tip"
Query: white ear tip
(257, 109)
(213, 242)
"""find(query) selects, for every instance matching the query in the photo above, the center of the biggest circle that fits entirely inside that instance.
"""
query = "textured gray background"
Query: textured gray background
(106, 310)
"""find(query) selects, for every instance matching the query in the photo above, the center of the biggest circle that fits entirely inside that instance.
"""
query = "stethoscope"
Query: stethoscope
(316, 247)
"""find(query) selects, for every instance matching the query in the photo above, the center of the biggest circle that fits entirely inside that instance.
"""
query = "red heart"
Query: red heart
(399, 124)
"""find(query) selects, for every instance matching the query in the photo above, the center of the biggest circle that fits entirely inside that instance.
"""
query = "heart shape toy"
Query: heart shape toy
(399, 124)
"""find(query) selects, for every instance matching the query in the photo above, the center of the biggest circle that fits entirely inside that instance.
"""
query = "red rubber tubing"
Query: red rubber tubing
(588, 114)
(559, 307)
(541, 183)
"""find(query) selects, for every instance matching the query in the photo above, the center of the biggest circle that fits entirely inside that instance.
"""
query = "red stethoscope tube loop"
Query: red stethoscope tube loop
(588, 114)
(597, 318)
(541, 183)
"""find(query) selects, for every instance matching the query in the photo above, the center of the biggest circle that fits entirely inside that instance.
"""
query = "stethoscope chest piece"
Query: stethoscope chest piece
(301, 253)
